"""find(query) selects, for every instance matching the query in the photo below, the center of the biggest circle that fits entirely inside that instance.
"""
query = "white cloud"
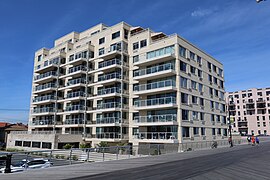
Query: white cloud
(201, 12)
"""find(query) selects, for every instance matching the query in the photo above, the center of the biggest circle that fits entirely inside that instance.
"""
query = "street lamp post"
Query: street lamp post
(229, 122)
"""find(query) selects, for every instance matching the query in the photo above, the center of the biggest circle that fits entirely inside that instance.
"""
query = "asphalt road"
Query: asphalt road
(244, 163)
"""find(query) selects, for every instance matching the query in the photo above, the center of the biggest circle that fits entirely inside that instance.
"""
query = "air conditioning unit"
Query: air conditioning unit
(201, 93)
(202, 107)
(190, 89)
(218, 75)
(200, 65)
(214, 137)
(188, 59)
(220, 99)
(219, 87)
(189, 74)
(210, 70)
(213, 123)
(211, 83)
(191, 121)
(211, 96)
(190, 105)
(192, 138)
(201, 79)
(203, 122)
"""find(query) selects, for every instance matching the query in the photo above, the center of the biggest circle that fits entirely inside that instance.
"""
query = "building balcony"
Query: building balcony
(155, 87)
(53, 63)
(77, 60)
(106, 77)
(45, 87)
(74, 121)
(76, 70)
(43, 111)
(75, 95)
(148, 58)
(109, 91)
(79, 81)
(156, 120)
(45, 122)
(250, 102)
(156, 137)
(108, 135)
(109, 105)
(155, 72)
(48, 76)
(108, 121)
(109, 64)
(78, 108)
(110, 52)
(43, 99)
(156, 103)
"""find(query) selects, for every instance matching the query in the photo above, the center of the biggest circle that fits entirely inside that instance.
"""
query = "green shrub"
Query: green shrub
(75, 158)
(68, 146)
(62, 157)
(14, 150)
(83, 146)
(103, 144)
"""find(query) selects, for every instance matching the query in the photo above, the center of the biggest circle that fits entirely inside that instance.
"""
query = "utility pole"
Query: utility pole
(229, 121)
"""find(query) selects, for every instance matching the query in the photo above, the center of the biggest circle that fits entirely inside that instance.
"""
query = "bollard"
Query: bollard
(8, 163)
(50, 157)
(88, 155)
(70, 157)
(117, 152)
(103, 155)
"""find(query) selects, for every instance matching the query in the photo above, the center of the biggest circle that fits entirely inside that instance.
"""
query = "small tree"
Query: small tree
(68, 146)
(103, 144)
(84, 145)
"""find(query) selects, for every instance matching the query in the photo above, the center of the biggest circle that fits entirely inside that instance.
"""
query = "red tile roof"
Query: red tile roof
(4, 124)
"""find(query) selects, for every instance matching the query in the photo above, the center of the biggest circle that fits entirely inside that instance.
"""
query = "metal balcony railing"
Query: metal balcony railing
(155, 101)
(77, 68)
(108, 120)
(109, 63)
(43, 110)
(109, 105)
(109, 91)
(156, 135)
(74, 121)
(75, 108)
(44, 75)
(44, 98)
(109, 135)
(76, 81)
(155, 118)
(154, 69)
(155, 85)
(47, 63)
(75, 94)
(109, 76)
(43, 122)
(45, 86)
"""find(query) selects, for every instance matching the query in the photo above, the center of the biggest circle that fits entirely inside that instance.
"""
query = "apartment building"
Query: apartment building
(125, 84)
(250, 111)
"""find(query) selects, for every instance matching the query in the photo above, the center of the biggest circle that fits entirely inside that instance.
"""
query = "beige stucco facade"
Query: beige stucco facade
(128, 84)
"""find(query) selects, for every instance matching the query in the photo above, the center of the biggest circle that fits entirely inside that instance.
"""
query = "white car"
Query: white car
(32, 164)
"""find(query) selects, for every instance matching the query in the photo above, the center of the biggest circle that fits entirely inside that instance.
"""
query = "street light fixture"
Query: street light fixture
(229, 120)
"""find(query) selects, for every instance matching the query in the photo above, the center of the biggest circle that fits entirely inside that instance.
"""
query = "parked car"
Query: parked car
(29, 164)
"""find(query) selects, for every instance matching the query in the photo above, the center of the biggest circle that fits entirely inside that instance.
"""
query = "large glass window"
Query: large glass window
(116, 35)
(185, 114)
(135, 45)
(160, 52)
(143, 43)
(195, 130)
(183, 66)
(184, 98)
(101, 40)
(185, 131)
(183, 82)
(182, 51)
(192, 55)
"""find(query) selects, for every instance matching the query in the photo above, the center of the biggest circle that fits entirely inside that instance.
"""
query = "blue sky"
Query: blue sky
(236, 32)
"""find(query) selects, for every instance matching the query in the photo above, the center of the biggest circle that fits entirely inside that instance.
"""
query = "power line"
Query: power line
(26, 110)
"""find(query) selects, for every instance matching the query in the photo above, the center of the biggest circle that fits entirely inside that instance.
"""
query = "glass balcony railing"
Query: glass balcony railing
(44, 75)
(109, 135)
(109, 91)
(156, 135)
(74, 121)
(109, 76)
(109, 63)
(43, 122)
(75, 108)
(45, 86)
(76, 81)
(44, 98)
(155, 85)
(75, 94)
(108, 120)
(155, 118)
(47, 63)
(154, 102)
(155, 69)
(77, 68)
(109, 105)
(43, 110)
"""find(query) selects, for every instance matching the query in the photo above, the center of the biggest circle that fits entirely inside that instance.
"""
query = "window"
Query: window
(200, 73)
(192, 55)
(203, 131)
(202, 116)
(213, 131)
(18, 143)
(184, 98)
(182, 51)
(199, 60)
(201, 102)
(200, 87)
(183, 66)
(185, 131)
(221, 83)
(46, 145)
(116, 35)
(219, 131)
(143, 43)
(194, 100)
(215, 80)
(36, 144)
(101, 40)
(209, 65)
(135, 59)
(195, 115)
(39, 58)
(214, 68)
(220, 72)
(211, 91)
(223, 119)
(183, 82)
(218, 118)
(26, 143)
(224, 132)
(160, 52)
(193, 85)
(193, 70)
(125, 33)
(185, 114)
(216, 92)
(196, 131)
(212, 117)
(101, 51)
(210, 78)
(212, 104)
(264, 124)
(135, 45)
(217, 105)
